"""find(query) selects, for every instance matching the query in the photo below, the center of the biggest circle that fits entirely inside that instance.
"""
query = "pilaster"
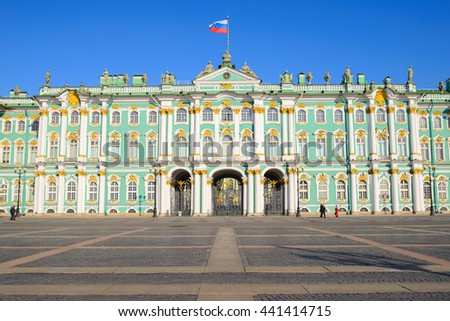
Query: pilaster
(250, 195)
(395, 190)
(392, 136)
(375, 188)
(61, 188)
(354, 190)
(102, 190)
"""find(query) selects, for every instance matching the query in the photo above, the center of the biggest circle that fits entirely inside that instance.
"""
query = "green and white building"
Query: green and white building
(227, 144)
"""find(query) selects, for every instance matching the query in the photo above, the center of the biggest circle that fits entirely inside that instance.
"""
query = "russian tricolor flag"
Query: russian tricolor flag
(219, 26)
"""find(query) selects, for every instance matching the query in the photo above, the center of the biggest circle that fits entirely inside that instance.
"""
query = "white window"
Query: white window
(151, 191)
(359, 116)
(53, 149)
(115, 118)
(114, 191)
(30, 192)
(427, 190)
(404, 189)
(93, 192)
(437, 122)
(51, 194)
(71, 191)
(181, 115)
(303, 147)
(322, 190)
(272, 115)
(273, 147)
(94, 148)
(152, 117)
(133, 149)
(74, 117)
(6, 153)
(132, 191)
(21, 126)
(341, 193)
(320, 147)
(401, 116)
(246, 114)
(381, 116)
(301, 116)
(338, 116)
(248, 147)
(439, 149)
(303, 190)
(115, 149)
(73, 149)
(181, 147)
(382, 146)
(401, 144)
(227, 146)
(442, 190)
(362, 190)
(95, 118)
(32, 154)
(361, 146)
(54, 119)
(15, 193)
(151, 149)
(423, 124)
(207, 114)
(35, 126)
(384, 189)
(19, 155)
(339, 146)
(3, 193)
(320, 116)
(227, 114)
(7, 126)
(424, 150)
(208, 147)
(134, 117)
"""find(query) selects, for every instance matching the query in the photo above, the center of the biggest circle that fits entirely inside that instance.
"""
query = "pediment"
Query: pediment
(228, 75)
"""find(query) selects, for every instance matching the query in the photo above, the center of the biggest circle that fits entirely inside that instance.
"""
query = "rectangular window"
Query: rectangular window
(6, 154)
(424, 151)
(320, 147)
(151, 191)
(19, 155)
(94, 149)
(439, 148)
(401, 146)
(53, 149)
(361, 147)
(339, 146)
(33, 153)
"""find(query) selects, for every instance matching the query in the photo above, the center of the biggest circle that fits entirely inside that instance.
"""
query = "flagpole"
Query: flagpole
(228, 34)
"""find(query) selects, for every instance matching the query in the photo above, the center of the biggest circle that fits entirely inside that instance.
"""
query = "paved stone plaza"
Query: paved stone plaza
(225, 258)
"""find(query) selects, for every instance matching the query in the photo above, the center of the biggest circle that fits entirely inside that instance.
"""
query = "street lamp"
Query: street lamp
(141, 199)
(384, 198)
(19, 171)
(299, 170)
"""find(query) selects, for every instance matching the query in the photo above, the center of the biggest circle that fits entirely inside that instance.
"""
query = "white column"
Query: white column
(197, 185)
(103, 139)
(291, 115)
(102, 190)
(291, 188)
(351, 134)
(244, 195)
(81, 190)
(192, 127)
(414, 133)
(259, 193)
(237, 133)
(375, 190)
(392, 136)
(258, 113)
(417, 188)
(206, 194)
(372, 136)
(39, 189)
(158, 192)
(284, 129)
(162, 135)
(165, 193)
(83, 133)
(169, 133)
(354, 190)
(395, 190)
(286, 194)
(216, 124)
(250, 191)
(61, 189)
(42, 138)
(63, 142)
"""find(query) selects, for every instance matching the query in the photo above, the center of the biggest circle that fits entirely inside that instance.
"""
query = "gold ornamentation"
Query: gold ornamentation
(207, 104)
(341, 176)
(404, 176)
(226, 103)
(394, 171)
(180, 104)
(391, 109)
(400, 105)
(374, 171)
(353, 171)
(33, 143)
(246, 104)
(237, 111)
(380, 97)
(73, 99)
(226, 86)
(81, 173)
(322, 178)
(371, 109)
(244, 182)
(61, 173)
(92, 179)
(21, 117)
(181, 133)
(43, 112)
(101, 173)
(34, 117)
(54, 108)
(104, 111)
(257, 171)
(301, 105)
(134, 135)
(273, 104)
(258, 110)
(320, 106)
(412, 110)
(216, 111)
(273, 132)
(19, 143)
(338, 105)
(51, 179)
(84, 112)
(208, 181)
(151, 106)
(350, 110)
(162, 172)
(246, 133)
(132, 178)
(133, 107)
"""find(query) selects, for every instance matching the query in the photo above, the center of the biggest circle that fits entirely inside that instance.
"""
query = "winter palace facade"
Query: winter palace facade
(227, 144)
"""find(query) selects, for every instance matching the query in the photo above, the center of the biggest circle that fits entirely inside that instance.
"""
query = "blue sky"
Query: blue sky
(77, 40)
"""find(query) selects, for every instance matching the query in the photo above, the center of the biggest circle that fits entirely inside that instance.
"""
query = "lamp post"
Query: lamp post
(19, 171)
(141, 199)
(299, 170)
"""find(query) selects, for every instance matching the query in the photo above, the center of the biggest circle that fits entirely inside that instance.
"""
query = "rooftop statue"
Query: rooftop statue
(286, 78)
(47, 78)
(347, 76)
(327, 77)
(105, 77)
(246, 70)
(309, 77)
(387, 81)
(208, 69)
(441, 86)
(168, 79)
(226, 60)
(372, 85)
(17, 90)
(410, 76)
(144, 79)
(126, 79)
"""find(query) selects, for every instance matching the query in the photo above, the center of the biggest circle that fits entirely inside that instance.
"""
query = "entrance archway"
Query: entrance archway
(273, 193)
(227, 194)
(180, 194)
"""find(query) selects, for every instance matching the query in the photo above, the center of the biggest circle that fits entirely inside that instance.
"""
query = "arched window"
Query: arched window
(181, 115)
(362, 190)
(400, 115)
(246, 114)
(71, 191)
(35, 126)
(401, 146)
(134, 117)
(427, 190)
(303, 147)
(93, 191)
(94, 148)
(425, 150)
(361, 146)
(74, 117)
(384, 189)
(272, 114)
(115, 118)
(381, 116)
(54, 119)
(21, 126)
(273, 147)
(248, 147)
(7, 126)
(133, 149)
(227, 146)
(207, 114)
(404, 189)
(151, 191)
(322, 189)
(152, 117)
(339, 146)
(151, 149)
(181, 147)
(341, 192)
(208, 147)
(95, 118)
(227, 114)
(320, 116)
(114, 151)
(303, 190)
(442, 190)
(114, 191)
(423, 124)
(437, 122)
(73, 148)
(3, 193)
(301, 116)
(132, 191)
(338, 116)
(30, 192)
(382, 146)
(359, 116)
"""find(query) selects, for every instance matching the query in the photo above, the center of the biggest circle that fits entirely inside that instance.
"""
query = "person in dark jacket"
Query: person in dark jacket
(12, 212)
(322, 211)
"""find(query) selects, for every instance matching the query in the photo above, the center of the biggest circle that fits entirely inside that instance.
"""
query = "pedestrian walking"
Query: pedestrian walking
(322, 210)
(336, 211)
(12, 212)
